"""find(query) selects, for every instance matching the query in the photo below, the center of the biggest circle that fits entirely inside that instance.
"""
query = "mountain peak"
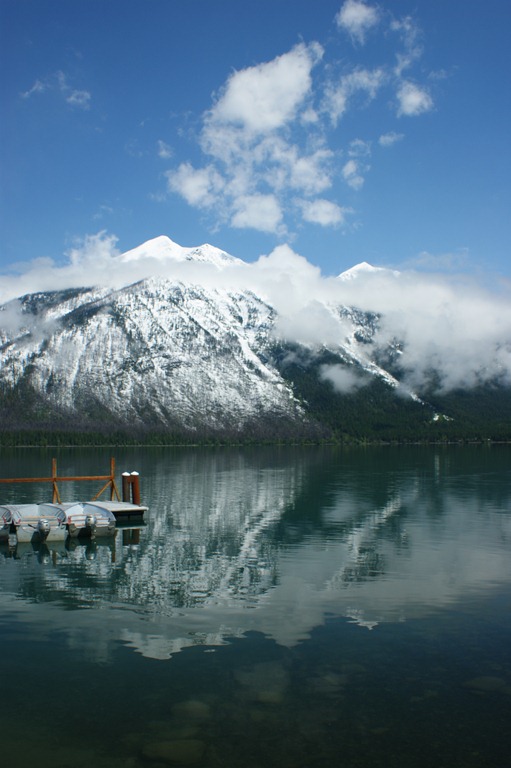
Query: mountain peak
(364, 268)
(163, 249)
(160, 248)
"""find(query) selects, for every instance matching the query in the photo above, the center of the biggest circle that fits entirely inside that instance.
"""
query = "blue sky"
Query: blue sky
(350, 131)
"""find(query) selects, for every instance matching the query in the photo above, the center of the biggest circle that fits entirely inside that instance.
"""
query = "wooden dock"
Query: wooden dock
(127, 507)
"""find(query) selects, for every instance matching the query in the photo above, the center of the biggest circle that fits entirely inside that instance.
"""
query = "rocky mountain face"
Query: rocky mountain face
(175, 357)
(155, 354)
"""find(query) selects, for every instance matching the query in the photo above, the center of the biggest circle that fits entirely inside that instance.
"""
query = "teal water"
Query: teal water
(281, 607)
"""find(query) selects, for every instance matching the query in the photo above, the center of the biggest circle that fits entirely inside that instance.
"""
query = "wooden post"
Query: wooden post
(54, 484)
(130, 536)
(135, 488)
(55, 497)
(126, 490)
(112, 476)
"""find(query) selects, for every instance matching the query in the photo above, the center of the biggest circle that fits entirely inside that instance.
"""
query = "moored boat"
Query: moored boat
(5, 523)
(33, 522)
(89, 518)
(54, 522)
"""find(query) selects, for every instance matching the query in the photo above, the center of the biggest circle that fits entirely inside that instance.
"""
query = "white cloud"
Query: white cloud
(93, 249)
(357, 18)
(58, 83)
(269, 136)
(390, 138)
(199, 187)
(38, 87)
(352, 176)
(72, 96)
(289, 168)
(412, 50)
(88, 262)
(309, 117)
(267, 96)
(335, 102)
(342, 378)
(359, 148)
(323, 212)
(413, 100)
(79, 99)
(312, 173)
(261, 212)
(254, 164)
(164, 150)
(359, 81)
(446, 323)
(309, 322)
(286, 263)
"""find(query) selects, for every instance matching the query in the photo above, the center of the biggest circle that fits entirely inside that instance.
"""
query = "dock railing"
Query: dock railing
(55, 479)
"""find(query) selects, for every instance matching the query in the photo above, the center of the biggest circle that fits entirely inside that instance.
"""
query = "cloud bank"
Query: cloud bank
(273, 155)
(445, 323)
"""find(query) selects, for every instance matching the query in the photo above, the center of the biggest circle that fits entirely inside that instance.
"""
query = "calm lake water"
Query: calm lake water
(281, 607)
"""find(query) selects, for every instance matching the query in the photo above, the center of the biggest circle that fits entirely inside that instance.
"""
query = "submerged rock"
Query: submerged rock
(266, 682)
(177, 751)
(486, 683)
(193, 709)
(172, 730)
(330, 684)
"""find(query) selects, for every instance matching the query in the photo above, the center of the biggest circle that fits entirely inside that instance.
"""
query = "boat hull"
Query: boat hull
(89, 520)
(32, 523)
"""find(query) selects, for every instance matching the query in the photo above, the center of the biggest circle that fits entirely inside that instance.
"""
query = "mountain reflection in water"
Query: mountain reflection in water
(268, 540)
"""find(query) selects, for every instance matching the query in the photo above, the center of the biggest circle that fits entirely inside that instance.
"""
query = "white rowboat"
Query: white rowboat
(32, 522)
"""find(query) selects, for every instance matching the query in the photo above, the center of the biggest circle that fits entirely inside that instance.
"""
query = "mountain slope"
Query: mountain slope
(155, 354)
(199, 361)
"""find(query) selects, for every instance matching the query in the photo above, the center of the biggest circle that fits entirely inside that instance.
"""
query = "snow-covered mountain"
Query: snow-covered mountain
(156, 353)
(172, 354)
(163, 249)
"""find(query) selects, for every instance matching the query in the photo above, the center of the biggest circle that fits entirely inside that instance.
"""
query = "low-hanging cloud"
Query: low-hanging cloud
(445, 323)
(342, 379)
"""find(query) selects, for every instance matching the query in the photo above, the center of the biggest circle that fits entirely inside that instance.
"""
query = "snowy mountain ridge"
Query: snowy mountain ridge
(171, 354)
(158, 353)
(163, 249)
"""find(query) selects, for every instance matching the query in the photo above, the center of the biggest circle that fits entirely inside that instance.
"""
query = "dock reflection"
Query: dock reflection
(243, 543)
